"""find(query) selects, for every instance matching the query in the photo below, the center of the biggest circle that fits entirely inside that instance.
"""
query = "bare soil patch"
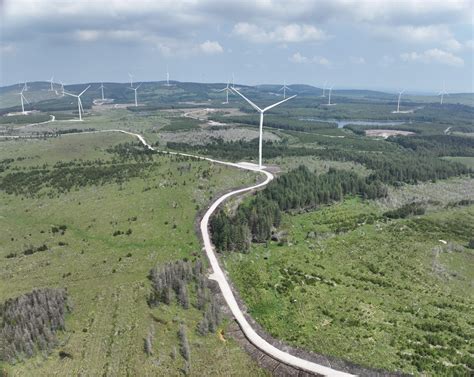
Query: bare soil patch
(387, 133)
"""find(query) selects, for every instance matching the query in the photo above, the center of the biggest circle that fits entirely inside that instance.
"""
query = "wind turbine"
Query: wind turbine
(101, 87)
(324, 89)
(442, 93)
(25, 87)
(62, 89)
(23, 98)
(51, 89)
(261, 111)
(227, 90)
(284, 87)
(79, 102)
(233, 80)
(329, 98)
(135, 89)
(131, 80)
(399, 98)
(167, 77)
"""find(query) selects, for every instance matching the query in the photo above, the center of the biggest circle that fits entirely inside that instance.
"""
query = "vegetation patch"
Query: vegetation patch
(381, 294)
(29, 323)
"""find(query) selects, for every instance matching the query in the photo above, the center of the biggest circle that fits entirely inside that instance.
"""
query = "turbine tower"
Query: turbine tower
(399, 98)
(227, 90)
(79, 102)
(167, 77)
(101, 87)
(261, 111)
(284, 87)
(443, 93)
(233, 80)
(131, 80)
(23, 98)
(51, 89)
(329, 98)
(135, 90)
(324, 89)
(62, 88)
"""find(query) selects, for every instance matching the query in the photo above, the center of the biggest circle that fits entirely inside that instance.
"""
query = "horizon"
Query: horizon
(421, 46)
(335, 89)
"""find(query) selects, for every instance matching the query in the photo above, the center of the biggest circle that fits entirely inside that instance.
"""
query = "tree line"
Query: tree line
(255, 220)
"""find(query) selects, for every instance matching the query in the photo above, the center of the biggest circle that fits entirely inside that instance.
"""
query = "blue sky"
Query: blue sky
(375, 44)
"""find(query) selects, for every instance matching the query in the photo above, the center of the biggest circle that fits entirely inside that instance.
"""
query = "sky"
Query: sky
(417, 45)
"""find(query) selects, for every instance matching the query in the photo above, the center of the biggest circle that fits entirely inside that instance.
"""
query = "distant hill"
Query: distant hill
(157, 95)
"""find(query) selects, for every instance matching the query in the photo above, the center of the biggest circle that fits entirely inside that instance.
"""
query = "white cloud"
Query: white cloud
(298, 58)
(210, 47)
(321, 61)
(90, 35)
(434, 55)
(290, 33)
(357, 60)
(413, 34)
(386, 60)
(7, 48)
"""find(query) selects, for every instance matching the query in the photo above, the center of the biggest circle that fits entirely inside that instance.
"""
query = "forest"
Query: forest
(390, 164)
(29, 323)
(176, 280)
(299, 189)
(437, 145)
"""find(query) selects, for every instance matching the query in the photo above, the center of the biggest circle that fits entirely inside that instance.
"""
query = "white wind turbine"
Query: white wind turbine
(167, 77)
(135, 90)
(284, 87)
(25, 87)
(79, 102)
(261, 111)
(131, 80)
(101, 87)
(51, 81)
(329, 98)
(62, 88)
(443, 93)
(399, 98)
(227, 91)
(324, 89)
(23, 98)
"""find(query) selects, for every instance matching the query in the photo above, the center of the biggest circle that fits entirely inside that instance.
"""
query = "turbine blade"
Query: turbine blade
(70, 94)
(250, 102)
(138, 86)
(24, 98)
(278, 103)
(84, 91)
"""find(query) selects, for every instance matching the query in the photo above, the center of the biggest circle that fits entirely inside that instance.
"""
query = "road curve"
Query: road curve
(219, 276)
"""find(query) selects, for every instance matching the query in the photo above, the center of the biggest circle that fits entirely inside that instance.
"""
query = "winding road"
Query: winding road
(219, 276)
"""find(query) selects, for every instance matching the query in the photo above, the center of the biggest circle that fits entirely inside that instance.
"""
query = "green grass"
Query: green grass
(106, 275)
(182, 124)
(387, 295)
(468, 161)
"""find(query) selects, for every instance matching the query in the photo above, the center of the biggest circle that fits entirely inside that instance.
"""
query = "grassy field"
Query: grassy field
(468, 161)
(347, 283)
(106, 275)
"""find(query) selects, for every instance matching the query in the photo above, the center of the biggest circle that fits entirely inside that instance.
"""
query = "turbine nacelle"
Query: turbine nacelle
(262, 112)
(79, 102)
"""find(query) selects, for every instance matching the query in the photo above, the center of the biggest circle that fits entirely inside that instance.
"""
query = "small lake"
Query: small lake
(343, 123)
